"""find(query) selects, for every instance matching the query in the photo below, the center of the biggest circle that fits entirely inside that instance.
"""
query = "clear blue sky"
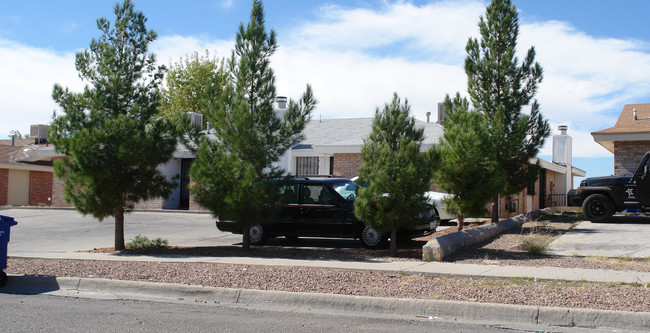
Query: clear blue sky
(595, 54)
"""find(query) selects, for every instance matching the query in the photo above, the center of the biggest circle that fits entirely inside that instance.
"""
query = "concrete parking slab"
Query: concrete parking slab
(58, 233)
(620, 236)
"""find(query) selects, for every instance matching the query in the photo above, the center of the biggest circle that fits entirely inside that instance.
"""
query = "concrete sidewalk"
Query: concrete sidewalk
(408, 267)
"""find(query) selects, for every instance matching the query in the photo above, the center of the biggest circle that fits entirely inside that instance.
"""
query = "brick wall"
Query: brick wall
(195, 206)
(4, 186)
(40, 188)
(58, 186)
(346, 165)
(628, 154)
(157, 203)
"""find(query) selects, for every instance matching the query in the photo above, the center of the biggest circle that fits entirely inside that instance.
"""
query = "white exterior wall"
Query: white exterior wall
(172, 169)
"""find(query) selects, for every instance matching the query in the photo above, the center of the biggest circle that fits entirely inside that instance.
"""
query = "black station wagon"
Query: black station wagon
(322, 207)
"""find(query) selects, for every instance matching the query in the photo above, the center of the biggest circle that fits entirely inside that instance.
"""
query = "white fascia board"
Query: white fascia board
(578, 172)
(621, 137)
(607, 139)
(548, 165)
(183, 154)
(26, 167)
(325, 149)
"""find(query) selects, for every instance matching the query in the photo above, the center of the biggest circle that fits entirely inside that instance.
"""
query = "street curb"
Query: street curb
(486, 313)
(438, 248)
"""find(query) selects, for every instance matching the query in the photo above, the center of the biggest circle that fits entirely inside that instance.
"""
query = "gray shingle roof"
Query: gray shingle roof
(352, 132)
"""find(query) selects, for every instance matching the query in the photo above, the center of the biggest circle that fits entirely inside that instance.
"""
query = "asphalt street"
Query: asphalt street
(40, 313)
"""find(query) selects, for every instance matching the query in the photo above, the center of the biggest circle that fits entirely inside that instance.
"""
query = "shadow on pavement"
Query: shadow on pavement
(628, 219)
(301, 248)
(30, 285)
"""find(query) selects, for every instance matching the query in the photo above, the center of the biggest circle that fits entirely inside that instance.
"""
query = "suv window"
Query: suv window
(347, 189)
(315, 194)
(288, 194)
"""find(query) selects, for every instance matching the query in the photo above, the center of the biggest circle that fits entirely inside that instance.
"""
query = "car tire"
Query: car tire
(597, 208)
(3, 278)
(372, 239)
(258, 235)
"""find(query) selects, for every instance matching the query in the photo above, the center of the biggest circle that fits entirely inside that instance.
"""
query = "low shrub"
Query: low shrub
(144, 243)
(536, 244)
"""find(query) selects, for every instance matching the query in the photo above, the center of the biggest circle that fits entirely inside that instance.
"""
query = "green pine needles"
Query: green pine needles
(110, 134)
(499, 87)
(251, 137)
(464, 161)
(394, 173)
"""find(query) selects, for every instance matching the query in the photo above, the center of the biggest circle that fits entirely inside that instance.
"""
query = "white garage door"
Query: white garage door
(18, 188)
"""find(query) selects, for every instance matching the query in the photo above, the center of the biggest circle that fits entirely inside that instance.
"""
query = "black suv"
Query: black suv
(322, 207)
(601, 197)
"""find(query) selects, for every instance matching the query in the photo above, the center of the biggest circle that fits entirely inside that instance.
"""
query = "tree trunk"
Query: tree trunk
(393, 242)
(119, 230)
(246, 239)
(495, 209)
(461, 222)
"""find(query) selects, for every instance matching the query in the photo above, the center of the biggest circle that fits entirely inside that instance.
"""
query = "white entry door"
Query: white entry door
(18, 188)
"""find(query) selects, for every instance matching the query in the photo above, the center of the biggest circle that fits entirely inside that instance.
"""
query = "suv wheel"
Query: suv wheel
(372, 239)
(258, 235)
(597, 208)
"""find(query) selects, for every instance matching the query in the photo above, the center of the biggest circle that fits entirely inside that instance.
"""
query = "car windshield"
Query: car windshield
(347, 189)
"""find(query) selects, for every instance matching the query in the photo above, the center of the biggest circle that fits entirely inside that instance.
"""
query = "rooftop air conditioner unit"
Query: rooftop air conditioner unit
(38, 131)
(196, 119)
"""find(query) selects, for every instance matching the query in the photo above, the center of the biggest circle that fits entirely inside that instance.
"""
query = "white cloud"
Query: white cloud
(28, 76)
(356, 58)
(438, 30)
(172, 48)
(226, 4)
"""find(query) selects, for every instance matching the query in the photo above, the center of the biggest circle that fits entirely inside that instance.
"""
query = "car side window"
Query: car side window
(288, 194)
(314, 193)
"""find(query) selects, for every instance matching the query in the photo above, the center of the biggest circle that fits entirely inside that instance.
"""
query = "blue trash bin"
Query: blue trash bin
(6, 223)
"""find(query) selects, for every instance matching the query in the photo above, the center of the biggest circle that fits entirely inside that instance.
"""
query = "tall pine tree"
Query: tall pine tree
(499, 88)
(464, 161)
(110, 133)
(229, 171)
(394, 172)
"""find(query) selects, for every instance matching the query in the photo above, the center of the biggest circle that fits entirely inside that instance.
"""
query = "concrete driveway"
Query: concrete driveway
(55, 232)
(621, 236)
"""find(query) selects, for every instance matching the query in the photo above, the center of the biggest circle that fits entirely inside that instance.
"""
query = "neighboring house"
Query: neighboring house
(332, 147)
(25, 180)
(629, 139)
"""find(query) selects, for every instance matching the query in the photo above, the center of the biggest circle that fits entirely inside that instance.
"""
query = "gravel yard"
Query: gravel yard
(504, 250)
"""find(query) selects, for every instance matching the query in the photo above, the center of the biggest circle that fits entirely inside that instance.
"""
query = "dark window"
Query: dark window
(531, 189)
(307, 165)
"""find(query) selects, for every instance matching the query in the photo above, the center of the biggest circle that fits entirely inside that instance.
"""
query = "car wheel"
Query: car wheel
(597, 208)
(3, 278)
(372, 239)
(258, 235)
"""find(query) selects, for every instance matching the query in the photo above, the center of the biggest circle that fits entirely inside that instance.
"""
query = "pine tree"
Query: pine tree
(110, 133)
(499, 88)
(228, 173)
(464, 161)
(394, 172)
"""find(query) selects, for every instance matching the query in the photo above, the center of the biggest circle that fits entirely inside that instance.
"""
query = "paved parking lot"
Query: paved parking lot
(621, 236)
(53, 231)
